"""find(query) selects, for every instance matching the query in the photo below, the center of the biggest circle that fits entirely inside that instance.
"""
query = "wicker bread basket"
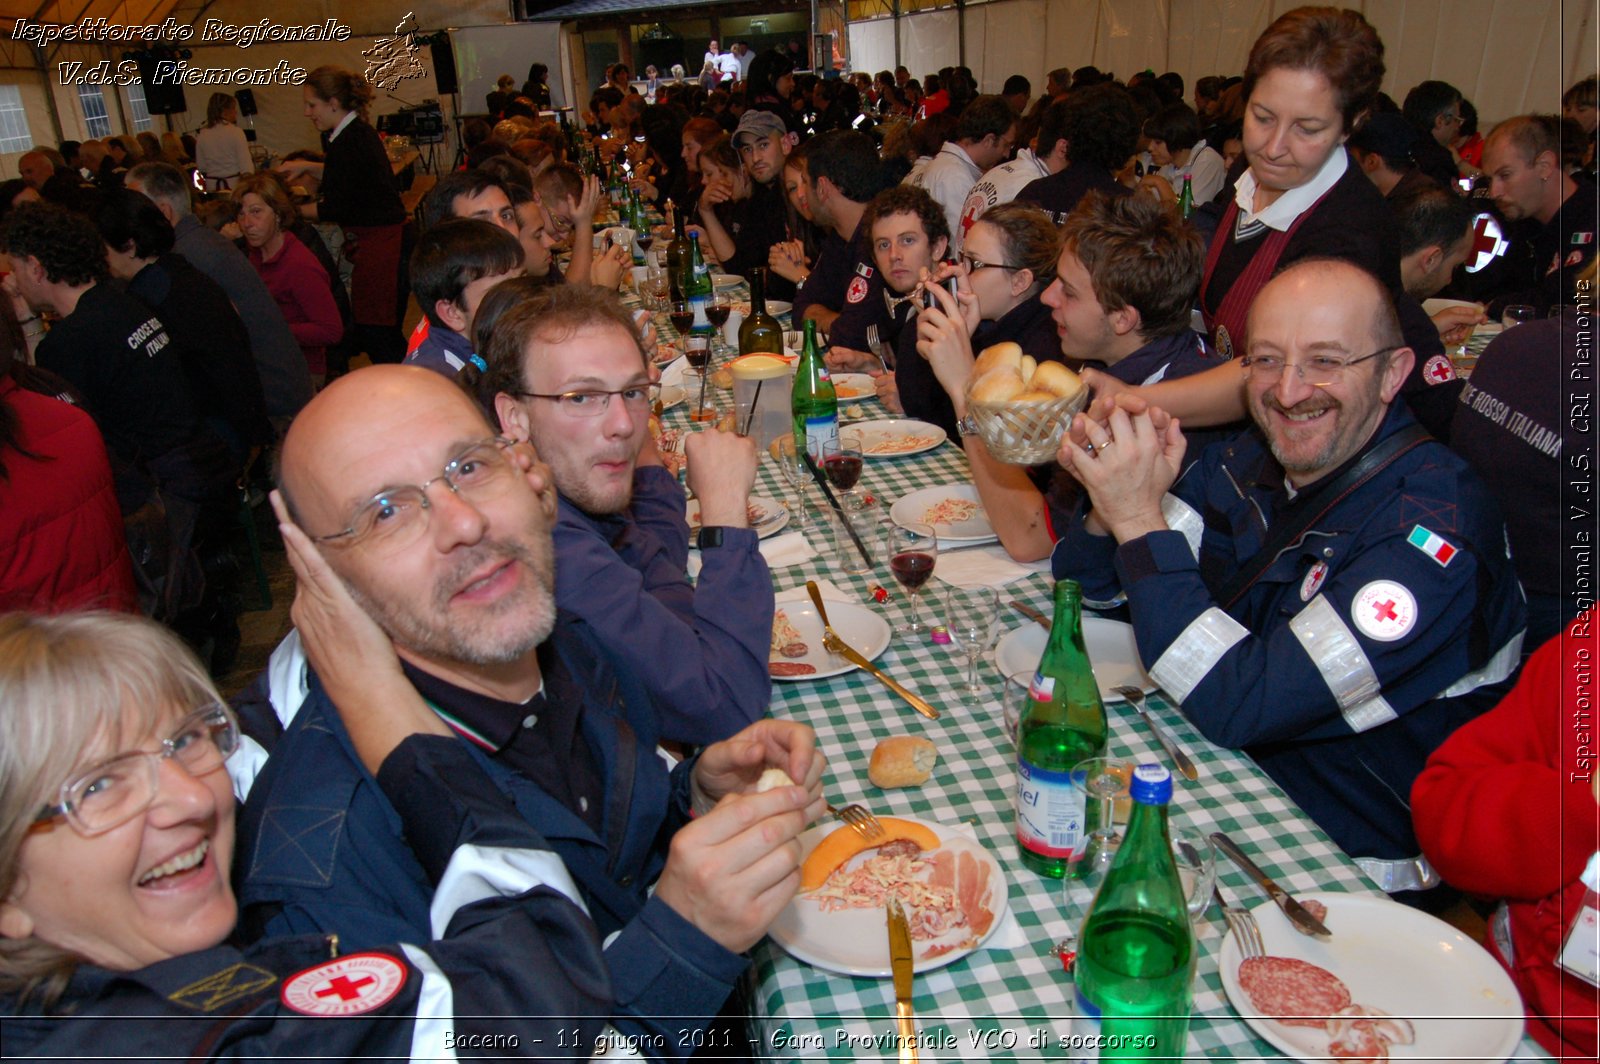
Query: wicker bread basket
(1025, 433)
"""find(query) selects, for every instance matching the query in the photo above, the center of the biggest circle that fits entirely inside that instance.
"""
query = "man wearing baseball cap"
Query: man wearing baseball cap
(743, 236)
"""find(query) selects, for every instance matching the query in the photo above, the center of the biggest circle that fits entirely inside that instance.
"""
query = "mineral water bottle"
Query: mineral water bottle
(1186, 199)
(1136, 955)
(697, 287)
(1064, 723)
(814, 403)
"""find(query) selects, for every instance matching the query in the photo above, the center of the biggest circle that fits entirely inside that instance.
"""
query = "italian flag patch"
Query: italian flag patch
(1431, 544)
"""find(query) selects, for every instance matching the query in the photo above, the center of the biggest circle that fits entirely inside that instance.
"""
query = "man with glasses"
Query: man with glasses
(1331, 591)
(1434, 110)
(566, 372)
(441, 531)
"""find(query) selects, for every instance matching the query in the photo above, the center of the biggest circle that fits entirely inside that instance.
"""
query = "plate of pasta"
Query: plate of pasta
(895, 437)
(954, 510)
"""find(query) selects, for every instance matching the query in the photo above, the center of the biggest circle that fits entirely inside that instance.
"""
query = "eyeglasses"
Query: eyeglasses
(974, 264)
(393, 519)
(594, 402)
(1320, 371)
(115, 791)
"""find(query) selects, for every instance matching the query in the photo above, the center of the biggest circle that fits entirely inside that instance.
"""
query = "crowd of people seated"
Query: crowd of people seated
(1334, 552)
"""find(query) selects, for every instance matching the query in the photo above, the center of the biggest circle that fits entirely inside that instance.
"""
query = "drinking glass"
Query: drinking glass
(717, 312)
(858, 513)
(1197, 867)
(1516, 313)
(681, 314)
(655, 286)
(1018, 695)
(798, 477)
(1104, 781)
(912, 550)
(969, 616)
(842, 460)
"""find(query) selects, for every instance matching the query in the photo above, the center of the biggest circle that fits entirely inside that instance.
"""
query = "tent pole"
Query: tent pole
(897, 32)
(961, 32)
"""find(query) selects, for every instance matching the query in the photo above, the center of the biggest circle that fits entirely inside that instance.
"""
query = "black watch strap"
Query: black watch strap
(709, 537)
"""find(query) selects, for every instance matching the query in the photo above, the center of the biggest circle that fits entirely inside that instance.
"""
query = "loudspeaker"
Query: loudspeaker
(165, 98)
(247, 101)
(444, 66)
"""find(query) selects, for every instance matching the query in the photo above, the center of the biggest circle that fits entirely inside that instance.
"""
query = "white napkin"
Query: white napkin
(831, 592)
(987, 566)
(672, 372)
(1008, 936)
(791, 548)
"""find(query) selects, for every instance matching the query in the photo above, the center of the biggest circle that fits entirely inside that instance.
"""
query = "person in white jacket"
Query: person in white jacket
(221, 150)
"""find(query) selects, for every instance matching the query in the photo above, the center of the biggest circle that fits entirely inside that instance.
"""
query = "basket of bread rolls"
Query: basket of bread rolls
(1022, 407)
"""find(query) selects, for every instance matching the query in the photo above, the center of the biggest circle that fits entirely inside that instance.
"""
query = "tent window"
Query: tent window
(137, 108)
(93, 102)
(14, 135)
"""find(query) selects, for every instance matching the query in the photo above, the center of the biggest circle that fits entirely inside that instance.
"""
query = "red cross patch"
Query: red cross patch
(1438, 370)
(857, 290)
(349, 986)
(1574, 258)
(1313, 581)
(969, 212)
(1384, 610)
(1487, 242)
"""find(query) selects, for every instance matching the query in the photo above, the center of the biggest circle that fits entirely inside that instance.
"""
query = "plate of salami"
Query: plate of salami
(953, 890)
(797, 652)
(1391, 982)
(954, 510)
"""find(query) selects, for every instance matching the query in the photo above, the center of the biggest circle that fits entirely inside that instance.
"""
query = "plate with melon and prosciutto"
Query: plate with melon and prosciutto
(953, 891)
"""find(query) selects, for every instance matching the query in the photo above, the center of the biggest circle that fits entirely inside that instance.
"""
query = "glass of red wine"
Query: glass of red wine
(842, 462)
(717, 312)
(681, 314)
(912, 549)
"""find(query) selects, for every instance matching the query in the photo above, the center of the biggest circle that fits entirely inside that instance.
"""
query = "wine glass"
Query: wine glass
(681, 314)
(1197, 867)
(843, 462)
(912, 549)
(655, 285)
(969, 617)
(717, 312)
(795, 472)
(1516, 313)
(1103, 780)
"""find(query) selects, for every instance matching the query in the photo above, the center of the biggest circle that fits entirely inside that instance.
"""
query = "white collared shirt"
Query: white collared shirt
(350, 116)
(948, 179)
(1282, 212)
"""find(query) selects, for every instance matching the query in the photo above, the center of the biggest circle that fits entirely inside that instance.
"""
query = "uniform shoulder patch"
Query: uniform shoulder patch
(857, 290)
(349, 986)
(1313, 581)
(1432, 544)
(1439, 370)
(1384, 610)
(221, 989)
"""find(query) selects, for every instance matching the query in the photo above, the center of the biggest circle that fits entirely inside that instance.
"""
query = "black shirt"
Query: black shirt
(1060, 192)
(755, 224)
(358, 183)
(830, 274)
(861, 299)
(542, 739)
(1434, 159)
(120, 357)
(1432, 388)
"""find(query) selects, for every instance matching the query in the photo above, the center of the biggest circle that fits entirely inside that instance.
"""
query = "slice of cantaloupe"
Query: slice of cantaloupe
(845, 842)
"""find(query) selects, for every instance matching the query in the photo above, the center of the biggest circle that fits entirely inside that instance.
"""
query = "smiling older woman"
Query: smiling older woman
(116, 834)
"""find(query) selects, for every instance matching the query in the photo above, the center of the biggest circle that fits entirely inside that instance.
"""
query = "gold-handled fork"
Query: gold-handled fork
(834, 645)
(860, 819)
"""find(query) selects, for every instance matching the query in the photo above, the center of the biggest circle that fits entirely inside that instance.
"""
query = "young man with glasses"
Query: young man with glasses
(1330, 591)
(566, 372)
(441, 532)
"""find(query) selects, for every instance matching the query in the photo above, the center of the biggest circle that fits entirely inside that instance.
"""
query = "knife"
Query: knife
(844, 650)
(900, 966)
(1298, 915)
(1031, 613)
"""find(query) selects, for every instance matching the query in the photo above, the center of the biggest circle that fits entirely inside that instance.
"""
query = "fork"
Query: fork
(860, 820)
(1135, 698)
(879, 349)
(1243, 923)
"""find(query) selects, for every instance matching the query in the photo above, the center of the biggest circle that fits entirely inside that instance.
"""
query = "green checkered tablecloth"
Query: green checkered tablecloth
(977, 1006)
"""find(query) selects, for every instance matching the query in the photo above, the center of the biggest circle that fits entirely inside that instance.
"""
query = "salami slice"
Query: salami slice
(790, 668)
(794, 650)
(1291, 991)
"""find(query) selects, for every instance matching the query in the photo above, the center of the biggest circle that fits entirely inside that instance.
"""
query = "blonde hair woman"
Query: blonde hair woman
(221, 150)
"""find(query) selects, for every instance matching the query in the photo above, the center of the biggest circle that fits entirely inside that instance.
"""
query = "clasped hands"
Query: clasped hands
(1127, 455)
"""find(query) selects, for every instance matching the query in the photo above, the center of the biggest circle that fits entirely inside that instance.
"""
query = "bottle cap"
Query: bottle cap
(1151, 785)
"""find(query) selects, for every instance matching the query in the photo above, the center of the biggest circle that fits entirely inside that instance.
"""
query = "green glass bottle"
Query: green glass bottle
(1186, 199)
(1064, 723)
(697, 288)
(677, 259)
(1136, 955)
(760, 331)
(813, 402)
(636, 222)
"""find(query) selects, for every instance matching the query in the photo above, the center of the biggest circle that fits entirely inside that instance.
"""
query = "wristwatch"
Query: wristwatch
(967, 426)
(708, 537)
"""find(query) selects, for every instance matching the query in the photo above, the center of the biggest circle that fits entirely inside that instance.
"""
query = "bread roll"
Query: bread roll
(1035, 395)
(998, 355)
(996, 386)
(1029, 367)
(903, 761)
(1058, 379)
(773, 778)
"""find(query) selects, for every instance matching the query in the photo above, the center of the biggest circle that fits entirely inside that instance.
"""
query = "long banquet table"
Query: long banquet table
(993, 1003)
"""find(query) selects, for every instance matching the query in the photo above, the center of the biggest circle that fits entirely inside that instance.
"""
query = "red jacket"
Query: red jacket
(1505, 808)
(61, 539)
(301, 288)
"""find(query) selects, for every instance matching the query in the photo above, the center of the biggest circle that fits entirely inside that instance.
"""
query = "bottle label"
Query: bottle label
(1043, 688)
(1050, 812)
(821, 430)
(699, 303)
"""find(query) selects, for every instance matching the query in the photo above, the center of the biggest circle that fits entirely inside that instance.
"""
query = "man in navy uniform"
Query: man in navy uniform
(1331, 591)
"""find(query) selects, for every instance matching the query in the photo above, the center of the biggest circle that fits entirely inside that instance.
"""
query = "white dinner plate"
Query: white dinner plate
(913, 509)
(850, 387)
(1397, 959)
(672, 395)
(776, 307)
(1113, 654)
(726, 280)
(858, 626)
(854, 941)
(897, 437)
(767, 516)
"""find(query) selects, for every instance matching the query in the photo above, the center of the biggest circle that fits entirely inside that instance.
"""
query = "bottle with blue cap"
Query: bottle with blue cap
(1136, 956)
